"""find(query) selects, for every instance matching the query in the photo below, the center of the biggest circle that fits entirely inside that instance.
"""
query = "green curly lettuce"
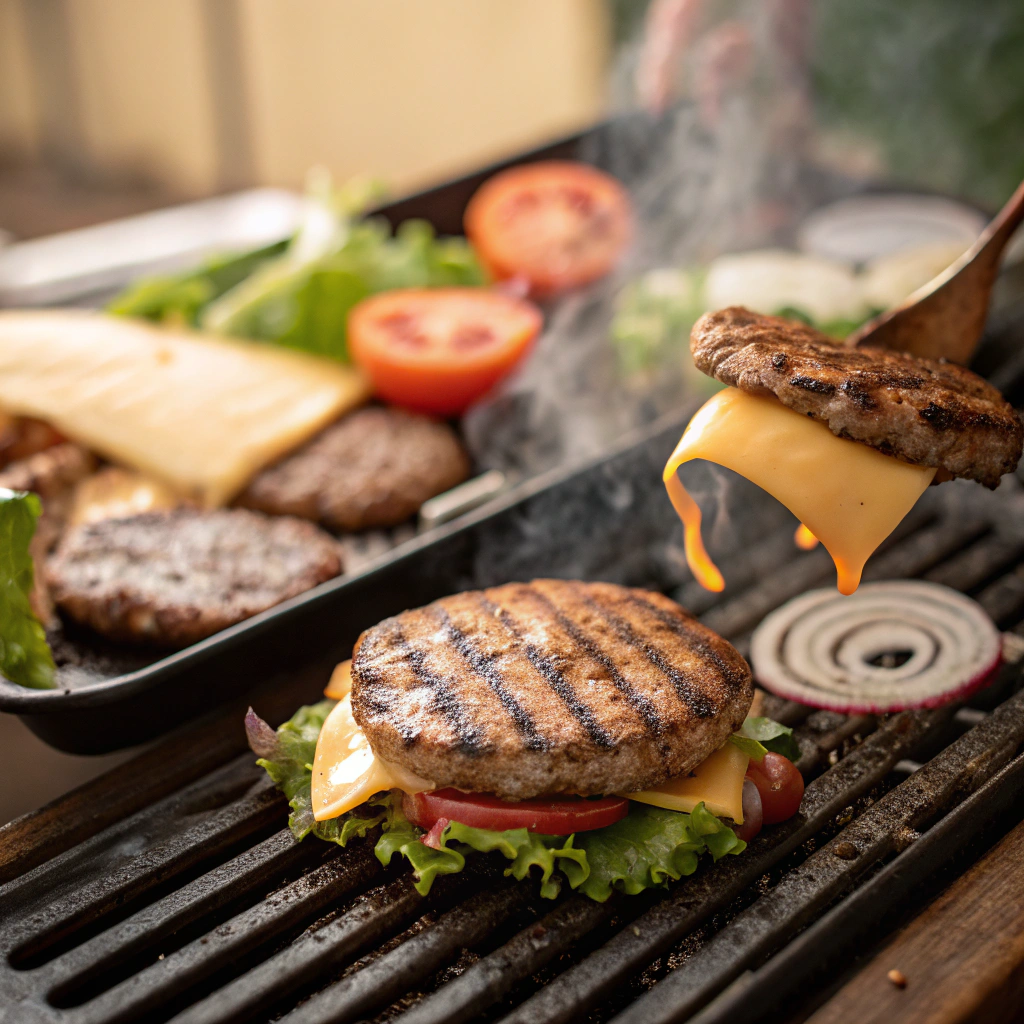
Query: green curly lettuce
(25, 656)
(757, 736)
(647, 849)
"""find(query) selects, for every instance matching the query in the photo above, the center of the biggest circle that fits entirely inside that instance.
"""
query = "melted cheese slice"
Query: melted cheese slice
(849, 496)
(716, 782)
(341, 681)
(202, 414)
(346, 772)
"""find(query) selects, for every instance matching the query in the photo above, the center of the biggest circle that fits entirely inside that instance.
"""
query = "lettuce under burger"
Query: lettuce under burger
(509, 699)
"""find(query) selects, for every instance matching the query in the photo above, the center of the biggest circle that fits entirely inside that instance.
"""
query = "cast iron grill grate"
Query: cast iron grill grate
(197, 907)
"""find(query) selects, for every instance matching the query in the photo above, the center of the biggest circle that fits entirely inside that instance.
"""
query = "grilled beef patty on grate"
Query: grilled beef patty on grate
(923, 411)
(554, 686)
(172, 578)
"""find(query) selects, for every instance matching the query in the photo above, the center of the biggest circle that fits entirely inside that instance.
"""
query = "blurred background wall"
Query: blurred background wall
(199, 96)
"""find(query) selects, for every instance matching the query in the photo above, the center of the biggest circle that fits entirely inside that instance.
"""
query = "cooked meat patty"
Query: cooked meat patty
(553, 686)
(924, 411)
(373, 468)
(172, 578)
(53, 474)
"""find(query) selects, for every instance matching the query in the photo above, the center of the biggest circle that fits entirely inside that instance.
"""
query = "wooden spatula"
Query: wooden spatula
(945, 318)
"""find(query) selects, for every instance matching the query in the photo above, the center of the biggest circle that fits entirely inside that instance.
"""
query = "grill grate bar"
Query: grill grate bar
(255, 869)
(925, 549)
(372, 920)
(837, 932)
(979, 563)
(30, 936)
(802, 894)
(391, 976)
(141, 996)
(599, 976)
(493, 977)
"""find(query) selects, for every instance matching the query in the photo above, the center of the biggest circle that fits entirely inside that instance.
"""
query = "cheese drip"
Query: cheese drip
(346, 772)
(847, 495)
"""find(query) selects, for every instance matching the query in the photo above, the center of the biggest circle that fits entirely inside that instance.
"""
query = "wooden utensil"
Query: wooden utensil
(945, 318)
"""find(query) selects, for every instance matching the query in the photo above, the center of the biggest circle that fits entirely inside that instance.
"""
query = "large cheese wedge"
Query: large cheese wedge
(717, 782)
(849, 496)
(201, 413)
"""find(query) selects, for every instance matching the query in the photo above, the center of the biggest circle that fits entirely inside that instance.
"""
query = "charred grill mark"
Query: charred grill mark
(819, 387)
(445, 700)
(857, 394)
(936, 416)
(779, 361)
(696, 701)
(376, 695)
(553, 677)
(483, 665)
(641, 705)
(733, 676)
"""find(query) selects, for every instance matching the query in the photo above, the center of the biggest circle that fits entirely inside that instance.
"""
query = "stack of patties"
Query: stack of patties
(595, 732)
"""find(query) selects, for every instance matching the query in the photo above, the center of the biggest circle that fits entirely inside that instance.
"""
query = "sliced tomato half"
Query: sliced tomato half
(437, 350)
(555, 223)
(550, 816)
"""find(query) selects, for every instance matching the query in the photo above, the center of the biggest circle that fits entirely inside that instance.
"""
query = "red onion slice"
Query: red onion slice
(888, 647)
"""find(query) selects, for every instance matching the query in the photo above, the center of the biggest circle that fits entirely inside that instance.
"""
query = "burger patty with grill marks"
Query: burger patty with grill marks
(554, 686)
(923, 411)
(172, 578)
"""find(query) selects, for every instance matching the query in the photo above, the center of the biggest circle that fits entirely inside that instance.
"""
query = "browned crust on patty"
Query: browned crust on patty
(554, 686)
(373, 468)
(173, 578)
(924, 411)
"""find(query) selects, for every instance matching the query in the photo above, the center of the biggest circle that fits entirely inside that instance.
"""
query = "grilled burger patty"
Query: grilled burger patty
(923, 411)
(548, 687)
(172, 578)
(373, 468)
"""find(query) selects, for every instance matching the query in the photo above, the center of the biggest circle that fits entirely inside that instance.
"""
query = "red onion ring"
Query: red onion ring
(820, 648)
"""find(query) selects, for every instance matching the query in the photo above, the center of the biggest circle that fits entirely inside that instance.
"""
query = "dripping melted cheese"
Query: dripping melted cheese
(848, 496)
(346, 772)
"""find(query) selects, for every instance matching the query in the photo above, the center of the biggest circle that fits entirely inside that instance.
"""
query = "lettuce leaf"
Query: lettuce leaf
(758, 735)
(646, 849)
(180, 298)
(25, 656)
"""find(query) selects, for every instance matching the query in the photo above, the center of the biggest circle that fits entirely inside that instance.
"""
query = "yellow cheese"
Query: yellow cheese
(201, 413)
(114, 493)
(716, 782)
(346, 772)
(849, 496)
(341, 681)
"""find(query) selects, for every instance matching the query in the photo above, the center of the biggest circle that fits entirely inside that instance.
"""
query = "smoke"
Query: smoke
(717, 172)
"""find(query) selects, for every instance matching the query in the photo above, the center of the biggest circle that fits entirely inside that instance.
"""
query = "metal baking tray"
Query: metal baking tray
(568, 522)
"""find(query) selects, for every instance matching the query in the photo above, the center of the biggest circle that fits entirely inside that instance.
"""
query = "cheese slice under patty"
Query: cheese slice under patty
(203, 414)
(850, 496)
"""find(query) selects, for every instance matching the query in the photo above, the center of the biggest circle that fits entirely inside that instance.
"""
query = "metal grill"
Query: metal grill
(198, 908)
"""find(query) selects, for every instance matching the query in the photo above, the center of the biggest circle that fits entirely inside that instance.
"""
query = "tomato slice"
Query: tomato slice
(557, 224)
(550, 816)
(437, 350)
(781, 787)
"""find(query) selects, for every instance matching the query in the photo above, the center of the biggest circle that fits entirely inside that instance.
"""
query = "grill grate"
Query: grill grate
(197, 908)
